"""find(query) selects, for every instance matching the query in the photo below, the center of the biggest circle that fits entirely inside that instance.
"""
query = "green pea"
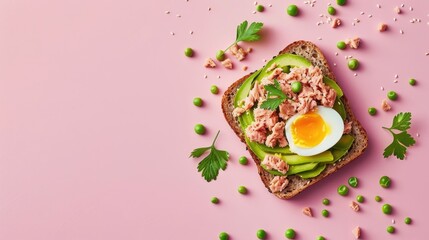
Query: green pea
(412, 82)
(353, 182)
(332, 10)
(326, 201)
(242, 189)
(407, 220)
(261, 234)
(353, 64)
(260, 8)
(215, 200)
(214, 89)
(220, 55)
(377, 198)
(390, 229)
(290, 233)
(341, 45)
(292, 10)
(385, 181)
(325, 213)
(360, 198)
(189, 52)
(200, 129)
(296, 87)
(198, 102)
(372, 111)
(343, 190)
(387, 208)
(392, 95)
(243, 160)
(286, 69)
(341, 2)
(321, 238)
(223, 236)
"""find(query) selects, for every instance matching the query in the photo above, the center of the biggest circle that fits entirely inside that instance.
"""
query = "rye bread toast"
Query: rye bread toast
(296, 184)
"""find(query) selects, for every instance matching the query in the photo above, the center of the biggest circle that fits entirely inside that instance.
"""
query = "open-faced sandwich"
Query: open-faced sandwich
(295, 120)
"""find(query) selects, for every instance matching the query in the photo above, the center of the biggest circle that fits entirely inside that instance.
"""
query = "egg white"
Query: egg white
(332, 118)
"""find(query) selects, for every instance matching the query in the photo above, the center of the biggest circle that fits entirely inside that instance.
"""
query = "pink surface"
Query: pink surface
(97, 120)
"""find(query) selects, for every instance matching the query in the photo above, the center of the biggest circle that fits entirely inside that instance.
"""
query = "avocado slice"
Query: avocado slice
(313, 173)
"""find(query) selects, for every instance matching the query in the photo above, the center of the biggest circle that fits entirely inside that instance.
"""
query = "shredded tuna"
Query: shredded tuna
(238, 52)
(278, 183)
(275, 73)
(256, 132)
(354, 206)
(348, 127)
(209, 63)
(267, 117)
(272, 67)
(286, 110)
(353, 42)
(336, 23)
(306, 105)
(238, 111)
(307, 211)
(227, 63)
(277, 136)
(272, 162)
(329, 99)
(356, 232)
(385, 106)
(382, 27)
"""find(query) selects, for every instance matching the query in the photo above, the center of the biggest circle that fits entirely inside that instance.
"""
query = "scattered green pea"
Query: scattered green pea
(189, 52)
(325, 213)
(360, 198)
(353, 64)
(321, 238)
(260, 8)
(392, 95)
(242, 189)
(387, 208)
(407, 220)
(385, 181)
(377, 198)
(341, 45)
(261, 234)
(215, 200)
(372, 111)
(214, 89)
(290, 233)
(243, 160)
(412, 82)
(343, 190)
(296, 87)
(223, 236)
(341, 2)
(198, 102)
(292, 10)
(220, 55)
(326, 201)
(200, 129)
(332, 10)
(390, 229)
(353, 182)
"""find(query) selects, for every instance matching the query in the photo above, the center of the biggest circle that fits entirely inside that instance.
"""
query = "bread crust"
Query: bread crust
(296, 184)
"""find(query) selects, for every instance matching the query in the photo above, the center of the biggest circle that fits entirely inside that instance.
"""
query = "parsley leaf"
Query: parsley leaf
(245, 34)
(275, 96)
(401, 140)
(213, 162)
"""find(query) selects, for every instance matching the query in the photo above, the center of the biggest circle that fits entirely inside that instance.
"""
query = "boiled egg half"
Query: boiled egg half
(314, 132)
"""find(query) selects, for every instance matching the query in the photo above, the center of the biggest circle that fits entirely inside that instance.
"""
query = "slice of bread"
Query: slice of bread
(296, 184)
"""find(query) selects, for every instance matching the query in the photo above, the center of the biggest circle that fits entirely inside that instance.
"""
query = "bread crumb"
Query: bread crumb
(353, 42)
(385, 106)
(397, 10)
(336, 23)
(382, 27)
(307, 211)
(354, 206)
(209, 63)
(356, 232)
(227, 63)
(244, 68)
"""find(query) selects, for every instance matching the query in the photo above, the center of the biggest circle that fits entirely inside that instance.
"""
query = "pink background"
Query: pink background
(97, 120)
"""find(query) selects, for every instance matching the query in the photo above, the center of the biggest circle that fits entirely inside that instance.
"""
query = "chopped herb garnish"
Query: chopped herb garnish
(245, 34)
(275, 96)
(401, 138)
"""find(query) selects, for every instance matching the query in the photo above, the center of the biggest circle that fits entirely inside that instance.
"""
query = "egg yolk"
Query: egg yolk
(309, 130)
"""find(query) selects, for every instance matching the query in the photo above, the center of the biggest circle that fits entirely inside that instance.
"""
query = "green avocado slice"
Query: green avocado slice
(313, 173)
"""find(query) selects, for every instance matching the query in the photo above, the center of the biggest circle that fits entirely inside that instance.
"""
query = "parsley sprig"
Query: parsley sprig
(212, 163)
(402, 140)
(275, 96)
(245, 34)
